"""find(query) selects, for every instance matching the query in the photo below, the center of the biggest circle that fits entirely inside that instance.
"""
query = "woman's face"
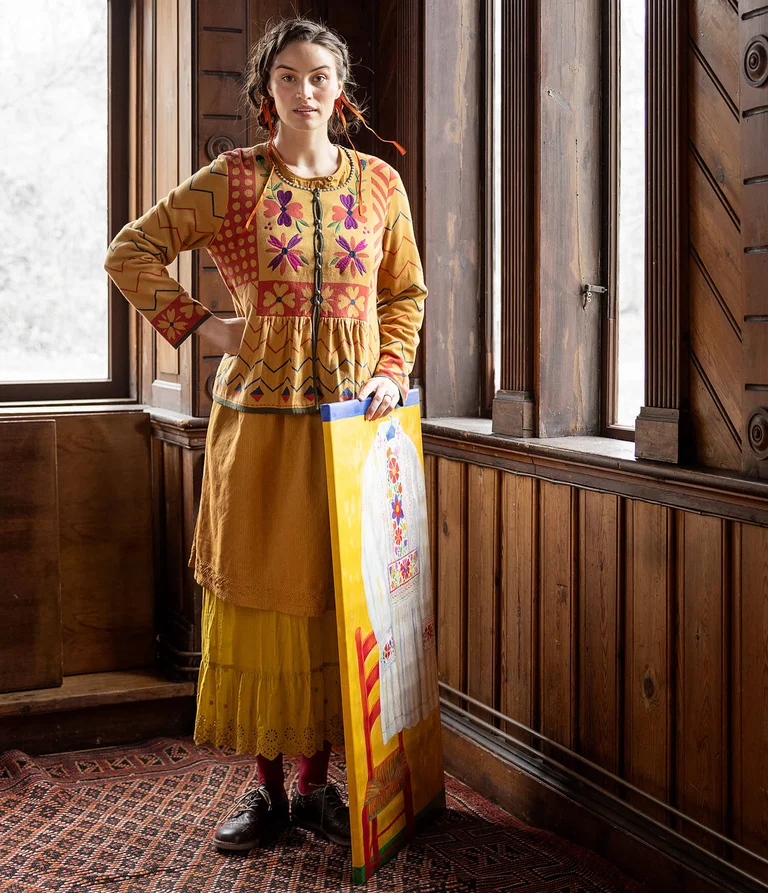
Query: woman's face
(304, 84)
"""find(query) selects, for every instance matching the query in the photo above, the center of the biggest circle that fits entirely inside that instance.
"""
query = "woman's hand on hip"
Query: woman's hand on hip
(224, 334)
(385, 395)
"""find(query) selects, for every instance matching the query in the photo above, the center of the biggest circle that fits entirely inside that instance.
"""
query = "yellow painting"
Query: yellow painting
(386, 626)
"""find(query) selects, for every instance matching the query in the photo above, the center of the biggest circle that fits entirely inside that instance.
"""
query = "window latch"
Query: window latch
(587, 291)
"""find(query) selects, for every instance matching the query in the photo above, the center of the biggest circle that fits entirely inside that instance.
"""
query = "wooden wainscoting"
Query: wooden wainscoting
(600, 606)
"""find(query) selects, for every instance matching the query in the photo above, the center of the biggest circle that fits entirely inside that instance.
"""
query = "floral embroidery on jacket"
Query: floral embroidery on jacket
(287, 210)
(350, 256)
(350, 214)
(285, 253)
(351, 302)
(278, 299)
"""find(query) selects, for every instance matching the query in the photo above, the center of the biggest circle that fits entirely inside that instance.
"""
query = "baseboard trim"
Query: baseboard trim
(534, 791)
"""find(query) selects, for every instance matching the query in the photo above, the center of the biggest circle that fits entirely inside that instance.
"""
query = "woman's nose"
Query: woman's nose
(303, 89)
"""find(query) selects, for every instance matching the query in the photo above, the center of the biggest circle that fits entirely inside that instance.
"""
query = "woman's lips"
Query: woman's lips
(304, 113)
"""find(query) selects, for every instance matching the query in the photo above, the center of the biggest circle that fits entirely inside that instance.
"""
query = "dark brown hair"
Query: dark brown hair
(274, 40)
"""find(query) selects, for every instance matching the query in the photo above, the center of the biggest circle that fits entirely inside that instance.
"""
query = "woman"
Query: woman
(317, 249)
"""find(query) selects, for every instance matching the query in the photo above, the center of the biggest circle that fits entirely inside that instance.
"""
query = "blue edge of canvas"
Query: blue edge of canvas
(348, 409)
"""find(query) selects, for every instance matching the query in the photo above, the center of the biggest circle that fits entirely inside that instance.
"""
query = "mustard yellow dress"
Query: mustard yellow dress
(269, 680)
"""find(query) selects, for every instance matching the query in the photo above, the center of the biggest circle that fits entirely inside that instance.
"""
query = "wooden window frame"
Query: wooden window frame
(609, 373)
(117, 384)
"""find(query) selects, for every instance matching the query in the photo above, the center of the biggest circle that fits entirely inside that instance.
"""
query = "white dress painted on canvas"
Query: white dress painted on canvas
(397, 578)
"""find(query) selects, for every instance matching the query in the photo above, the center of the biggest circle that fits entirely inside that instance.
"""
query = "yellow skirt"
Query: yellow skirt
(269, 683)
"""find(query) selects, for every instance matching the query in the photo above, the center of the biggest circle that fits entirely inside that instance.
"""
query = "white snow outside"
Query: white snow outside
(53, 190)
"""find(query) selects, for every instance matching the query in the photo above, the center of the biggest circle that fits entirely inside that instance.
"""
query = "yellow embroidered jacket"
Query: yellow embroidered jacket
(332, 289)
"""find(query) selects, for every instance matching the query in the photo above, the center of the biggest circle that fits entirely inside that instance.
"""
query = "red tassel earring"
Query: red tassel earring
(266, 109)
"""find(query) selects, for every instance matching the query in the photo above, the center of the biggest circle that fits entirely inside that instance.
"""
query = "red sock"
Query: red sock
(313, 771)
(271, 774)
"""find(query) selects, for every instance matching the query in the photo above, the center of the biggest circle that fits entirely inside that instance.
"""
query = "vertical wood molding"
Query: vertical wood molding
(453, 218)
(514, 404)
(659, 427)
(753, 38)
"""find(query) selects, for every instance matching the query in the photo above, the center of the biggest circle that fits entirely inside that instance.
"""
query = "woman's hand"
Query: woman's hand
(225, 335)
(385, 396)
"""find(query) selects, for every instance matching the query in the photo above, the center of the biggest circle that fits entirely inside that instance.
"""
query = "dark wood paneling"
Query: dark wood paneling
(714, 32)
(753, 65)
(631, 632)
(600, 629)
(519, 598)
(701, 649)
(451, 482)
(483, 584)
(714, 130)
(453, 215)
(751, 689)
(558, 618)
(30, 577)
(106, 541)
(648, 731)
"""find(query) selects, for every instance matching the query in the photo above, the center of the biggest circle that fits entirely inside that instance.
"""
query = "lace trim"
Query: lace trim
(270, 743)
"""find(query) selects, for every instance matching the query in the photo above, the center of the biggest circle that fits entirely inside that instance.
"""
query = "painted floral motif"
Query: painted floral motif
(387, 651)
(287, 210)
(278, 299)
(403, 569)
(351, 302)
(349, 215)
(285, 253)
(395, 497)
(351, 255)
(428, 632)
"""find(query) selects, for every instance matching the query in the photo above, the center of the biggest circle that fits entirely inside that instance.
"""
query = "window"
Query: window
(63, 65)
(625, 326)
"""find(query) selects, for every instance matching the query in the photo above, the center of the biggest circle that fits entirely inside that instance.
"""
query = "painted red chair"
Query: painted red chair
(390, 778)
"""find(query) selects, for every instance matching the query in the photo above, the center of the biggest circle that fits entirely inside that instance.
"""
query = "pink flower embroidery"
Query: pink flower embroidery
(351, 256)
(285, 253)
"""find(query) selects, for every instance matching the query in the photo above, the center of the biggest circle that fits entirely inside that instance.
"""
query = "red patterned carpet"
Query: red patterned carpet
(140, 820)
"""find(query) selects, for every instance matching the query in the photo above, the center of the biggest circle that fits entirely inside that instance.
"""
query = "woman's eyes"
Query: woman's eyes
(319, 78)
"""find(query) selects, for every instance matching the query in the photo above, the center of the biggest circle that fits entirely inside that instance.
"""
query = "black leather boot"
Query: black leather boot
(253, 818)
(324, 812)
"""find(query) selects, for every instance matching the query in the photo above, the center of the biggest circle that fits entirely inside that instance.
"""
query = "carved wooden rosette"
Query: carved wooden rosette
(753, 28)
(514, 404)
(659, 428)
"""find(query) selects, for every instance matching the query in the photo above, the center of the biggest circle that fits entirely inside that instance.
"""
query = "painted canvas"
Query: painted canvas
(386, 624)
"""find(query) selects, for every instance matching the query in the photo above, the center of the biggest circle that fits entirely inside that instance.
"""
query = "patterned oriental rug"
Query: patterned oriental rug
(140, 819)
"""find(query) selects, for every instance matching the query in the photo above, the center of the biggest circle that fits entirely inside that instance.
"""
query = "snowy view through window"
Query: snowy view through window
(53, 190)
(631, 236)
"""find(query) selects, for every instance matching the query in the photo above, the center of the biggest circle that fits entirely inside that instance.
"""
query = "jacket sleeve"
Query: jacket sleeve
(400, 291)
(190, 216)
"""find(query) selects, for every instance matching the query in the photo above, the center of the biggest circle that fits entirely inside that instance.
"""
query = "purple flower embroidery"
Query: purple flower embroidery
(286, 209)
(284, 252)
(353, 252)
(349, 214)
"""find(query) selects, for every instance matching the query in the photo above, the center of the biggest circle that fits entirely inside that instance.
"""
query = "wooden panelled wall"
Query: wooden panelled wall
(633, 633)
(715, 255)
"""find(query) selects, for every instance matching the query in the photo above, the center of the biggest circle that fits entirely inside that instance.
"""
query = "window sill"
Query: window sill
(49, 408)
(601, 464)
(576, 445)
